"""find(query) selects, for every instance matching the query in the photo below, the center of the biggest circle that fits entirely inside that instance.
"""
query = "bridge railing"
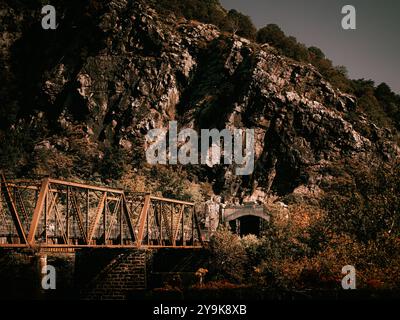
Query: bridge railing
(54, 213)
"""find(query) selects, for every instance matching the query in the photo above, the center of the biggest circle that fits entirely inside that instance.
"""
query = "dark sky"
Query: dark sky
(372, 51)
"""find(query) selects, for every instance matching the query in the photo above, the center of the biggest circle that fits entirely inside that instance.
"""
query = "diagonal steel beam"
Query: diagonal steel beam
(128, 218)
(143, 219)
(20, 201)
(13, 210)
(53, 206)
(113, 219)
(178, 224)
(79, 217)
(38, 211)
(96, 220)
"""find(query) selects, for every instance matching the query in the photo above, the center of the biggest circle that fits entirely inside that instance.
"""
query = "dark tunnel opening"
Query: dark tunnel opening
(246, 225)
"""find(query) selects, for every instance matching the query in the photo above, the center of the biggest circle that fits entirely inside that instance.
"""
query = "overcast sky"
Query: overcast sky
(372, 51)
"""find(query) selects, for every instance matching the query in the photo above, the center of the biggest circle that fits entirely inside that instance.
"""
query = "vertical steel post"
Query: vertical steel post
(46, 204)
(87, 212)
(105, 219)
(121, 212)
(67, 217)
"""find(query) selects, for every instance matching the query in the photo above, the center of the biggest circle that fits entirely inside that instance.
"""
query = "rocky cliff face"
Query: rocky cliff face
(113, 70)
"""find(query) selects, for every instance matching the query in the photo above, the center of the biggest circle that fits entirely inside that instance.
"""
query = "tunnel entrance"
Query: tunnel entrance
(246, 225)
(249, 225)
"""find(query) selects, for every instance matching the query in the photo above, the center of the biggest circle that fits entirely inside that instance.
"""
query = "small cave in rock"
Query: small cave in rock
(288, 177)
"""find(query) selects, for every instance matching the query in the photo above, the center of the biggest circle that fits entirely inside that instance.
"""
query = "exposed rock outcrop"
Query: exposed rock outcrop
(119, 69)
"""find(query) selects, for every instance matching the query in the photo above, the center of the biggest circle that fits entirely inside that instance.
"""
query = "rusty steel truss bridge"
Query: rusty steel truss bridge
(51, 214)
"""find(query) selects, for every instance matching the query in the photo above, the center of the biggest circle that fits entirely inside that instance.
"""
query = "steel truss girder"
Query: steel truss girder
(62, 214)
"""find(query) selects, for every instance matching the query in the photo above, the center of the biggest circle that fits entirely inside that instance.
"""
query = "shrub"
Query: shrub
(364, 201)
(228, 256)
(114, 163)
(206, 11)
(306, 251)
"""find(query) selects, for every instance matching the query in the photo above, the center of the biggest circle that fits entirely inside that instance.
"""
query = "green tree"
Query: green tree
(272, 35)
(371, 100)
(240, 24)
(363, 200)
(389, 101)
(114, 163)
(316, 53)
(288, 46)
